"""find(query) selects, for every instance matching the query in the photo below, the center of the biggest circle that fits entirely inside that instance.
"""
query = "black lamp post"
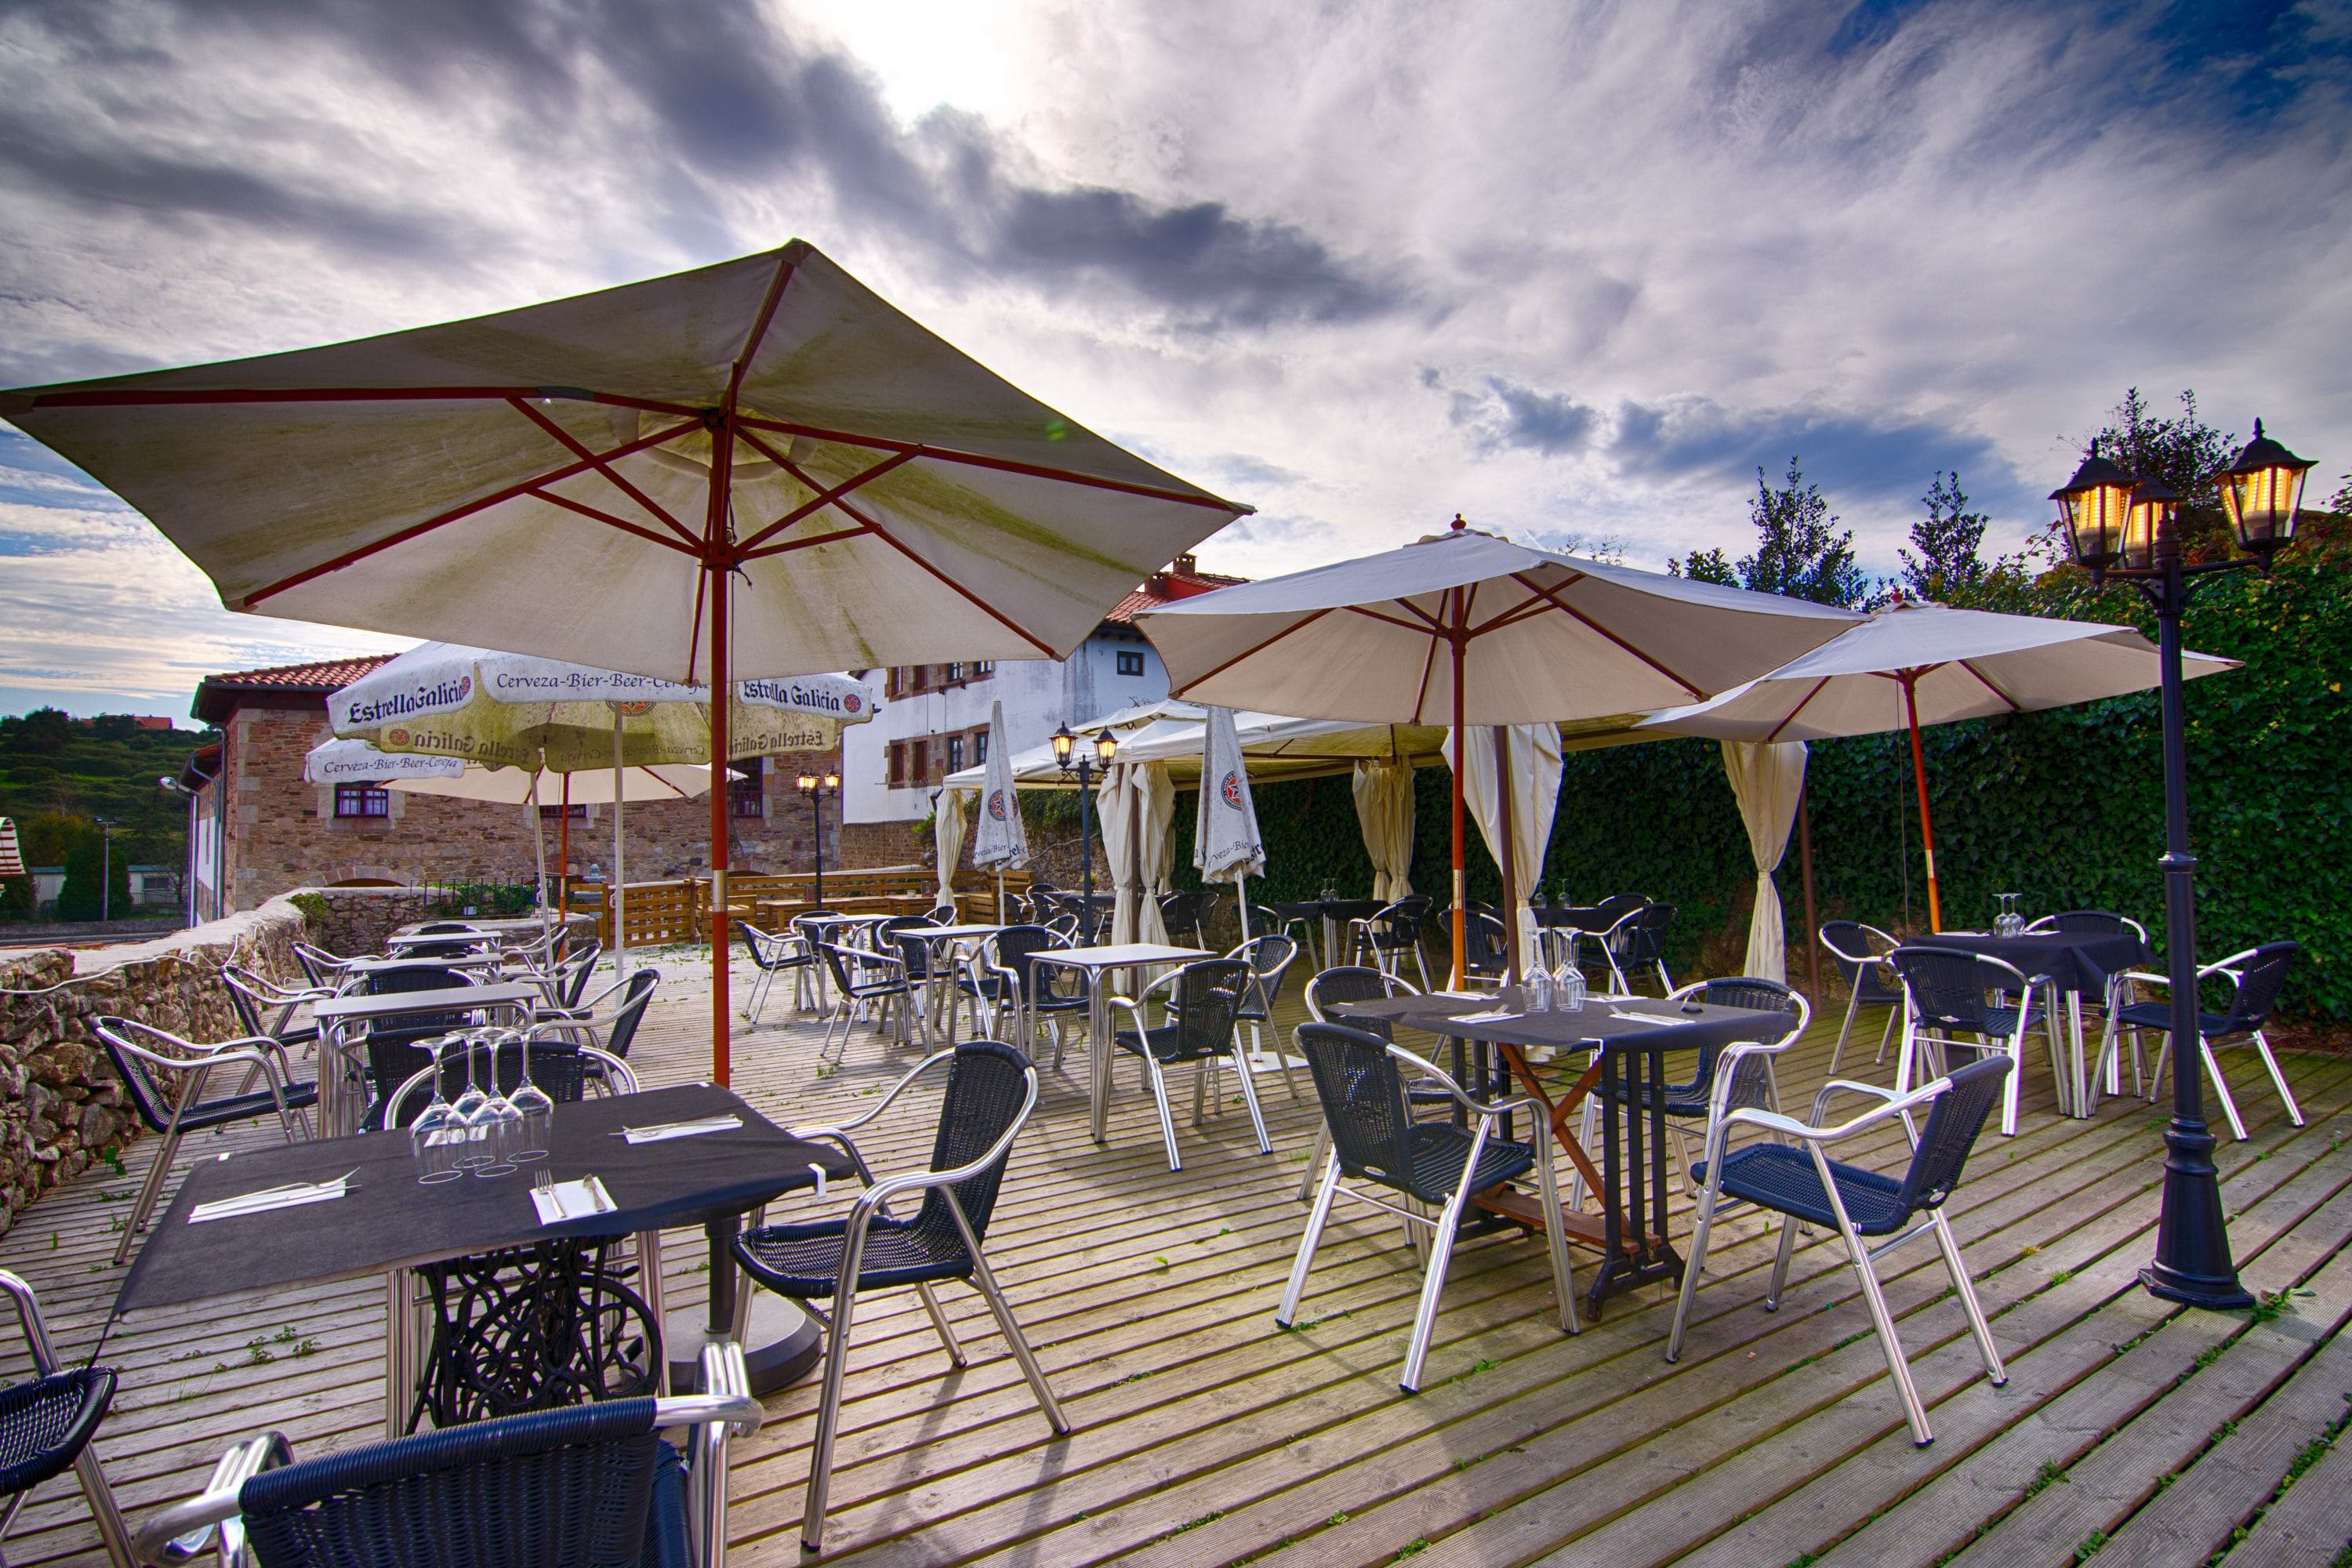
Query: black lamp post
(816, 789)
(1067, 753)
(105, 866)
(2121, 527)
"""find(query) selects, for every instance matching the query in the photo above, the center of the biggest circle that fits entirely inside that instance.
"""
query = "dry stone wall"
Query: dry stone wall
(62, 1107)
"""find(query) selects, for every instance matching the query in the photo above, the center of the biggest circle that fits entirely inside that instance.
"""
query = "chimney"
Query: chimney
(1184, 565)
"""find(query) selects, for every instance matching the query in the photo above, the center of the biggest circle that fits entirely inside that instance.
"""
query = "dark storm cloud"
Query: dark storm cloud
(1696, 438)
(1504, 413)
(705, 100)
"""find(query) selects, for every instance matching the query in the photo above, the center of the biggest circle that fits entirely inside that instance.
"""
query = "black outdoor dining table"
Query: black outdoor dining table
(387, 1221)
(2074, 963)
(1633, 1037)
(1331, 912)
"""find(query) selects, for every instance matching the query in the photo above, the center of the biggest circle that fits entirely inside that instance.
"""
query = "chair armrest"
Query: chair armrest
(728, 1396)
(1446, 1080)
(28, 1314)
(1789, 1126)
(882, 1191)
(183, 1531)
(1831, 1089)
(842, 1130)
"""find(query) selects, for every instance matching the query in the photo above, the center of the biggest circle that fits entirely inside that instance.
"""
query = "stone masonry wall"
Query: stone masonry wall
(61, 1105)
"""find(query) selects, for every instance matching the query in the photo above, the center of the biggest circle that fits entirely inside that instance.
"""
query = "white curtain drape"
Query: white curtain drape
(1384, 811)
(1534, 753)
(1137, 802)
(946, 840)
(1767, 777)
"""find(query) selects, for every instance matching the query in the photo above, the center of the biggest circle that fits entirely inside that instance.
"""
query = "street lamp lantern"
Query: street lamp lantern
(1106, 746)
(2123, 527)
(1064, 743)
(2093, 505)
(815, 790)
(2260, 491)
(2154, 506)
(806, 783)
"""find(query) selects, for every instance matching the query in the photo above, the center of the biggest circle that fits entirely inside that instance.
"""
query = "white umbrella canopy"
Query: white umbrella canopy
(1466, 629)
(754, 468)
(1916, 664)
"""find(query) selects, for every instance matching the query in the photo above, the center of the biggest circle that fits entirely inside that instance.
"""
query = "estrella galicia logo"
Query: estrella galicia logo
(855, 703)
(464, 687)
(996, 804)
(635, 709)
(395, 737)
(1232, 791)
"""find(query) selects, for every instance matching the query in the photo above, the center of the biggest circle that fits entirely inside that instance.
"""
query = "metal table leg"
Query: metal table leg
(1097, 1051)
(399, 1350)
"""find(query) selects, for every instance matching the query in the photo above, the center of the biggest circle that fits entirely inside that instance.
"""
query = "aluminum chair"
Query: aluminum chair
(860, 977)
(1297, 928)
(323, 969)
(612, 1033)
(1185, 911)
(256, 997)
(2120, 990)
(1860, 953)
(1269, 959)
(1645, 943)
(1386, 936)
(1726, 1078)
(1198, 1026)
(991, 1090)
(1375, 1140)
(1799, 1182)
(565, 1070)
(47, 1423)
(567, 982)
(2256, 976)
(1944, 997)
(590, 1484)
(774, 954)
(141, 1052)
(1355, 983)
(1486, 944)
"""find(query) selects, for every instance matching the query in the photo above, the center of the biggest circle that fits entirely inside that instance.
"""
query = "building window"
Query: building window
(559, 811)
(955, 753)
(979, 747)
(954, 674)
(982, 669)
(749, 793)
(897, 762)
(1130, 661)
(362, 800)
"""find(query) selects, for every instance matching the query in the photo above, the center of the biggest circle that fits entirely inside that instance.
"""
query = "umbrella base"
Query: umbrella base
(783, 1344)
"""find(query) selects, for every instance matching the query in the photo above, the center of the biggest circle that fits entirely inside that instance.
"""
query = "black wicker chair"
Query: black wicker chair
(1860, 953)
(45, 1426)
(1184, 912)
(1486, 944)
(2257, 973)
(1945, 995)
(560, 1067)
(1269, 958)
(2120, 989)
(1201, 1003)
(861, 975)
(588, 1485)
(1645, 943)
(1012, 980)
(774, 954)
(1802, 1183)
(990, 1089)
(1387, 936)
(256, 998)
(1374, 1139)
(1361, 983)
(141, 1052)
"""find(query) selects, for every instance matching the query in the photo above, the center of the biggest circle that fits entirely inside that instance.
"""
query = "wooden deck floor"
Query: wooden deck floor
(1205, 1436)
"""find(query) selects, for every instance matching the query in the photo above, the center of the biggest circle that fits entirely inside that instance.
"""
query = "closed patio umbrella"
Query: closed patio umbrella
(1916, 664)
(755, 469)
(1466, 629)
(1226, 844)
(1000, 838)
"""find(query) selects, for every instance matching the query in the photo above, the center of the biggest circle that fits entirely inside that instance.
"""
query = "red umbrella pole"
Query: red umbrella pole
(1461, 881)
(1919, 777)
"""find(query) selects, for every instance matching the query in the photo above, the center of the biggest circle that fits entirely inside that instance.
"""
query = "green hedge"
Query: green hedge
(2064, 807)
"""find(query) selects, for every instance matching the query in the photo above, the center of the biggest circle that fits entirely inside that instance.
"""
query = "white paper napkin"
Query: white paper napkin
(571, 1200)
(290, 1196)
(668, 1130)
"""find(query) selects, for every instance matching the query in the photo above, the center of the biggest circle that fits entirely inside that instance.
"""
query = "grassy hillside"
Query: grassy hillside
(59, 776)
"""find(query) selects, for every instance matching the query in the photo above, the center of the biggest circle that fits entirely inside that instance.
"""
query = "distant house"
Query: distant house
(154, 885)
(256, 829)
(48, 881)
(935, 720)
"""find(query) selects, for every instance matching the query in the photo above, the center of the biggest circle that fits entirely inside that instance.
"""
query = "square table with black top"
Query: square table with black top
(387, 1221)
(1632, 1038)
(2063, 962)
(1097, 965)
(511, 1001)
(1332, 913)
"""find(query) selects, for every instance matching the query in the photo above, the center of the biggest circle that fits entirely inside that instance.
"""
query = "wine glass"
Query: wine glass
(468, 1109)
(500, 1122)
(533, 1106)
(433, 1137)
(1567, 980)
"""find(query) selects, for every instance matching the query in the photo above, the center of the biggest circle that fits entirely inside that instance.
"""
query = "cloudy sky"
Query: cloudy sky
(1573, 271)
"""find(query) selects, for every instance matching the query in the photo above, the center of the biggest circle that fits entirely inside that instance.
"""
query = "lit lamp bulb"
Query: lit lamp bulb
(2095, 505)
(2260, 491)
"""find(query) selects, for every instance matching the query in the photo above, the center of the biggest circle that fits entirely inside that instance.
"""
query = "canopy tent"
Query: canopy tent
(1135, 807)
(757, 467)
(1917, 664)
(1767, 780)
(1514, 819)
(1467, 630)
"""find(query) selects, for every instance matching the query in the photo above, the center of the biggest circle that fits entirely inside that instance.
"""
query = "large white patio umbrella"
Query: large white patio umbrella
(1916, 664)
(1466, 629)
(756, 469)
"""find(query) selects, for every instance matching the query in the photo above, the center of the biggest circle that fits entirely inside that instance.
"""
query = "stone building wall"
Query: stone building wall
(283, 834)
(61, 1105)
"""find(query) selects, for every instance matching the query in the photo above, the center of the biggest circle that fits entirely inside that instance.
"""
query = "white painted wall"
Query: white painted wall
(1039, 696)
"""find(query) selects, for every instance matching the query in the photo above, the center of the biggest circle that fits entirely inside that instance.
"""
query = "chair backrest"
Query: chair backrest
(988, 1087)
(573, 972)
(2259, 978)
(1399, 925)
(436, 928)
(890, 937)
(1015, 945)
(630, 1011)
(1352, 983)
(1363, 1099)
(421, 974)
(1617, 905)
(1947, 986)
(244, 996)
(2090, 923)
(557, 1068)
(1486, 941)
(1202, 1001)
(1750, 992)
(1957, 1116)
(148, 1096)
(1855, 949)
(1648, 930)
(1269, 959)
(550, 1489)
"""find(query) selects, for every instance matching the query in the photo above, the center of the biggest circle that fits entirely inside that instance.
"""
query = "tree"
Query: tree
(1704, 566)
(1947, 539)
(79, 898)
(1796, 551)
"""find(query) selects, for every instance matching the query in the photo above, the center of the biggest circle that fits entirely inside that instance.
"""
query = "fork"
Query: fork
(544, 1180)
